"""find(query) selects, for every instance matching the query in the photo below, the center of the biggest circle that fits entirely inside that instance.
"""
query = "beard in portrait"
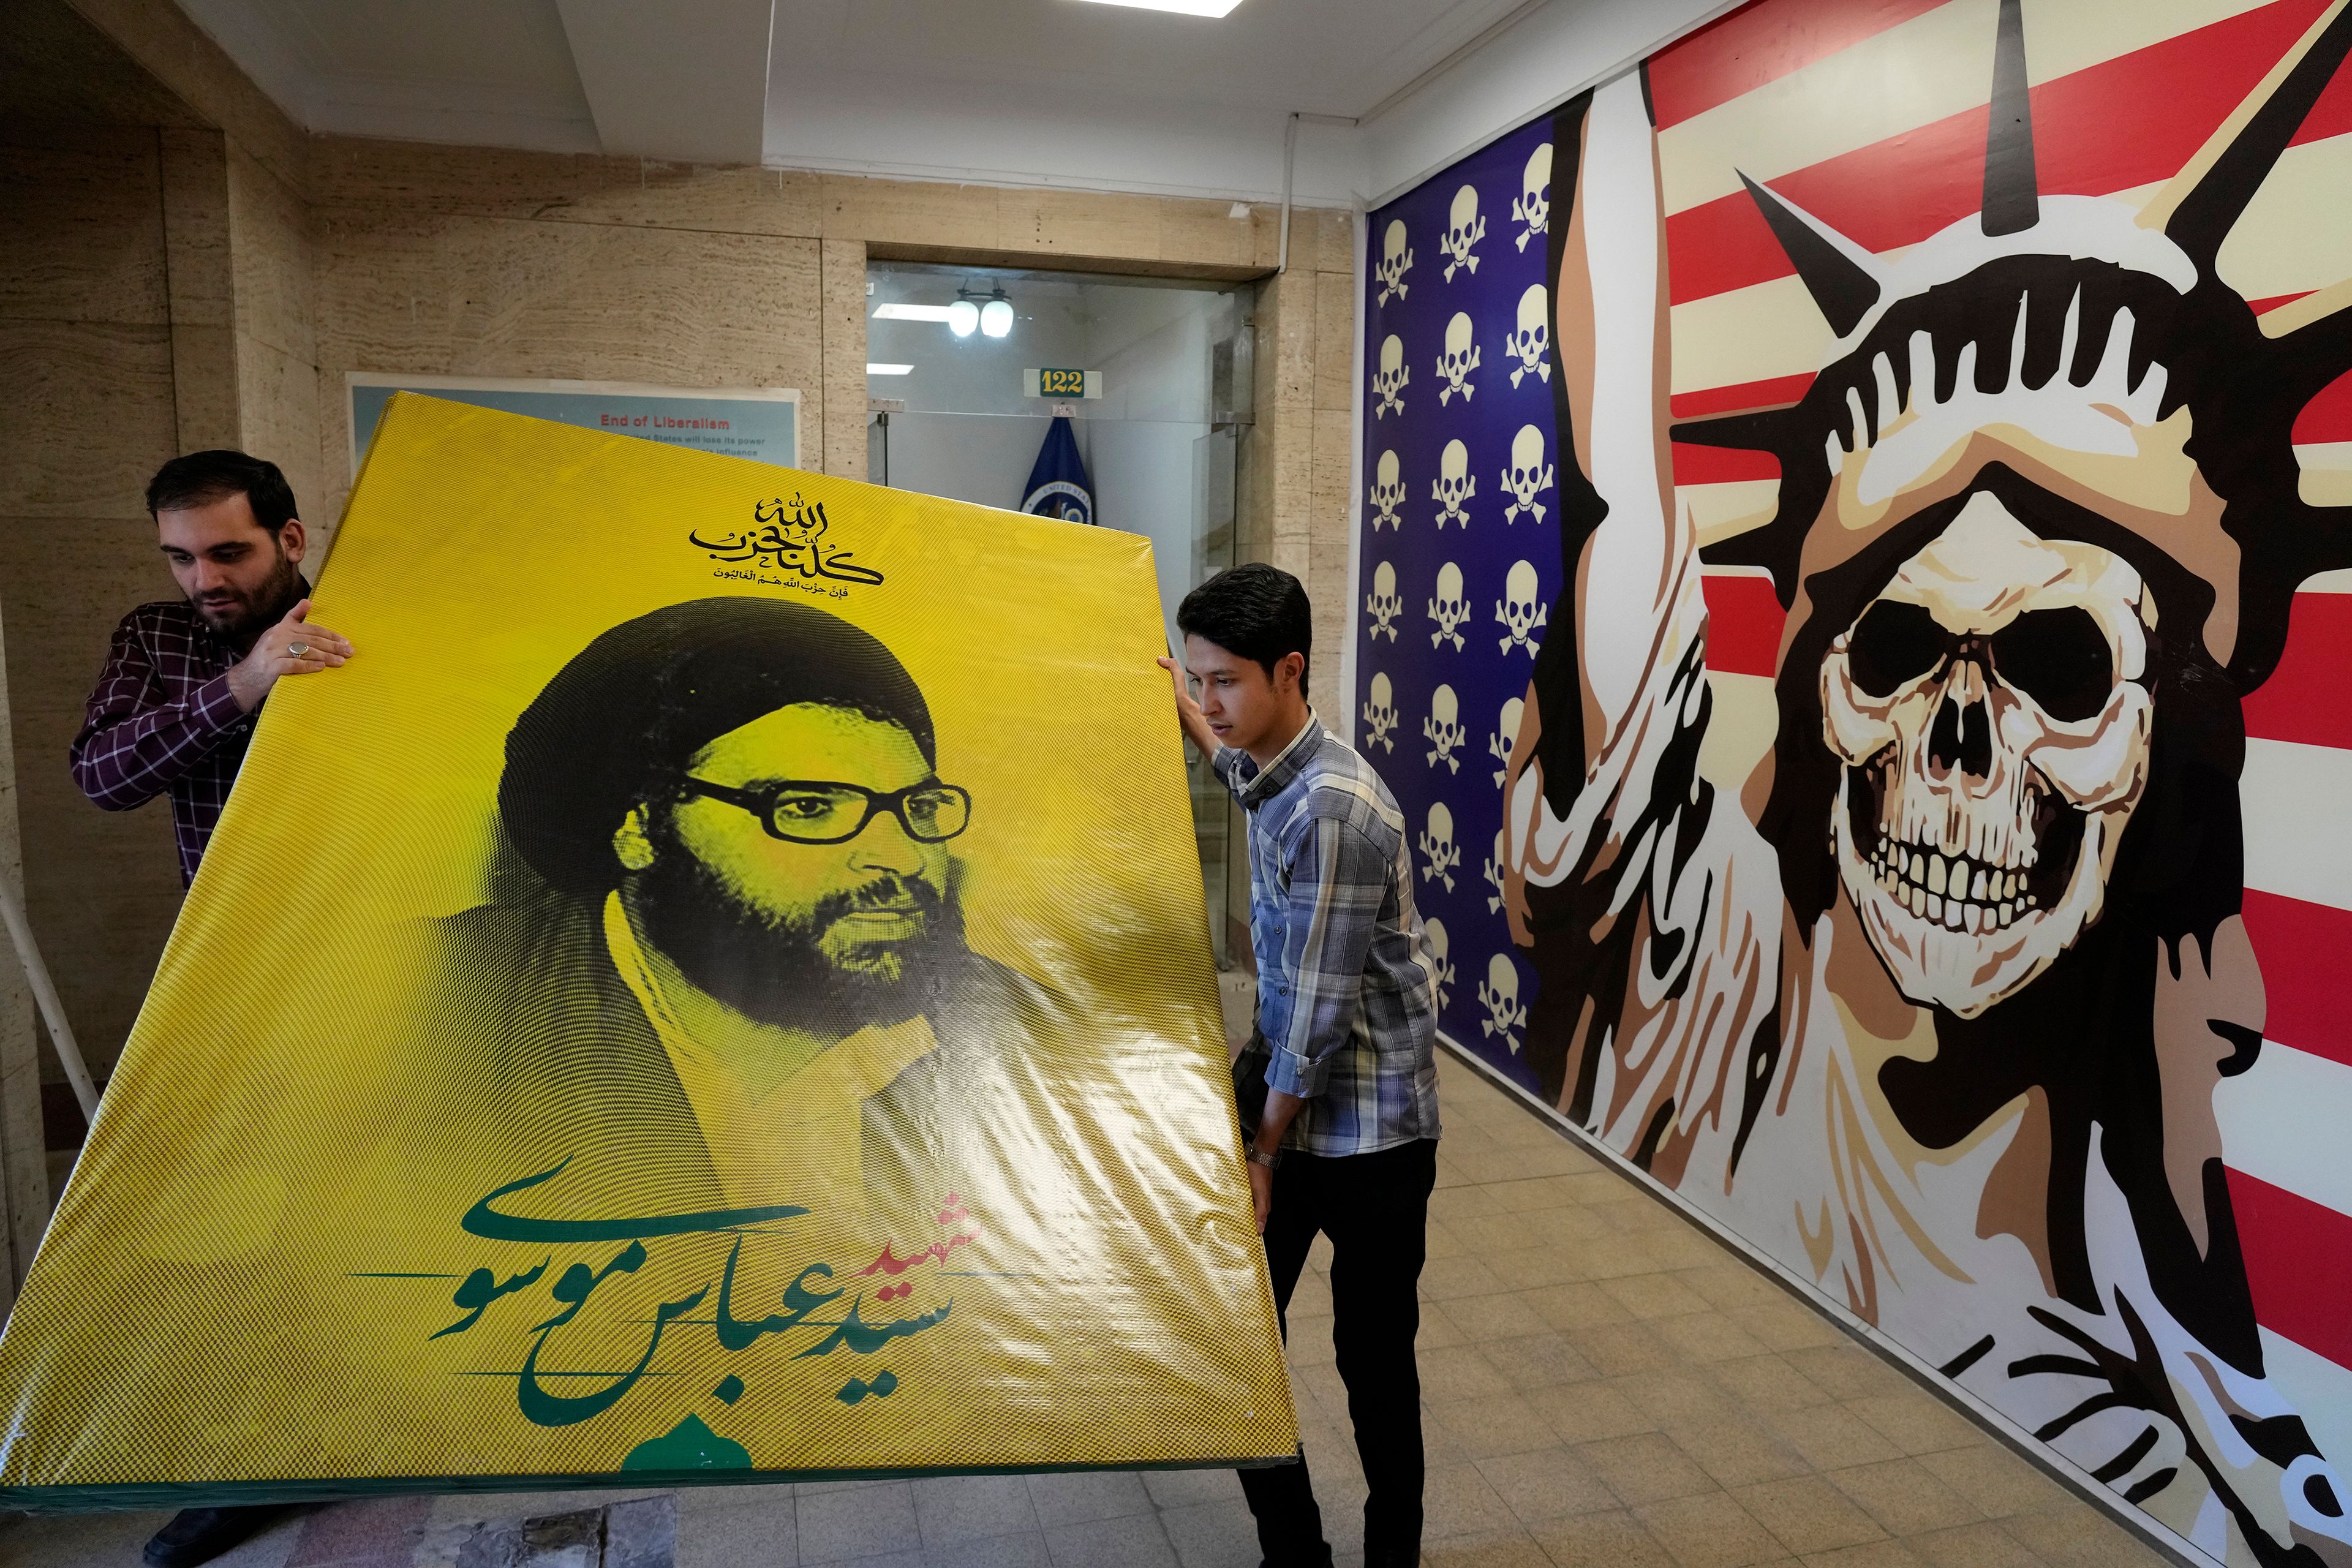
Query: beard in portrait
(731, 968)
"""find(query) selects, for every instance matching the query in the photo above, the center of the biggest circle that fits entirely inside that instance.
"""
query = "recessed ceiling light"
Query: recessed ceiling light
(1181, 7)
(911, 312)
(889, 369)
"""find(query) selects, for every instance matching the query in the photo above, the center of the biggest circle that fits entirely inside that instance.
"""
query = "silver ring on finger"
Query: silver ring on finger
(297, 649)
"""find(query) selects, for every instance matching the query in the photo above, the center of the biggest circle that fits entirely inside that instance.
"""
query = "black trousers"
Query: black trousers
(1375, 1209)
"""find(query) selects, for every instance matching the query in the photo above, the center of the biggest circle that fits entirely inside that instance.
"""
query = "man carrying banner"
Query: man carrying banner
(174, 711)
(1338, 1084)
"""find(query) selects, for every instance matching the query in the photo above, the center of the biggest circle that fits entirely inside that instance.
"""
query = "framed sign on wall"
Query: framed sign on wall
(761, 423)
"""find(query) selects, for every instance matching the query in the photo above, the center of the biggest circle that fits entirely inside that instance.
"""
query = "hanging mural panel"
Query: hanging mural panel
(649, 1017)
(1921, 847)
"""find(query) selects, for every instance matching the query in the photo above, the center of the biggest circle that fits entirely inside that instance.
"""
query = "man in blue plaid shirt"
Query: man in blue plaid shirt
(1338, 1084)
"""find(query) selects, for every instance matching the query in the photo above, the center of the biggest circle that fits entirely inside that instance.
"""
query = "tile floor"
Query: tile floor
(1606, 1387)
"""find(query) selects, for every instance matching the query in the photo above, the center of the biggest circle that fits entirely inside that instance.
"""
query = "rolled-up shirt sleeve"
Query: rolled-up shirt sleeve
(1337, 883)
(134, 744)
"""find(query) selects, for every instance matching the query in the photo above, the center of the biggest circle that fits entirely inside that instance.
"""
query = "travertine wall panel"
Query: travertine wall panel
(272, 258)
(25, 1173)
(89, 354)
(469, 296)
(844, 333)
(102, 888)
(1297, 471)
(82, 239)
(98, 398)
(195, 203)
(182, 58)
(549, 187)
(276, 352)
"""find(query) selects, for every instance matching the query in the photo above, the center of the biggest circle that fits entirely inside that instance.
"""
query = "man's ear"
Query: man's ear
(631, 846)
(293, 539)
(1293, 671)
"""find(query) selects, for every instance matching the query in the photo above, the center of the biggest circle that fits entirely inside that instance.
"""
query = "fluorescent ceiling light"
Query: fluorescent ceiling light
(1181, 7)
(889, 370)
(911, 312)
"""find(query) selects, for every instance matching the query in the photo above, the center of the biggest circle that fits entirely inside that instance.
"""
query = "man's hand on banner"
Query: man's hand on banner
(292, 647)
(1188, 712)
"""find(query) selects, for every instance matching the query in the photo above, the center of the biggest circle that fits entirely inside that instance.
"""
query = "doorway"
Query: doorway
(954, 356)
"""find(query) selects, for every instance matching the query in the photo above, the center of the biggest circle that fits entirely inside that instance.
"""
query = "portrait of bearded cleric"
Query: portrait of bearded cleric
(733, 961)
(1922, 973)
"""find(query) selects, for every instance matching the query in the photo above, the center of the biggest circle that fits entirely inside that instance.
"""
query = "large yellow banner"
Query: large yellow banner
(717, 987)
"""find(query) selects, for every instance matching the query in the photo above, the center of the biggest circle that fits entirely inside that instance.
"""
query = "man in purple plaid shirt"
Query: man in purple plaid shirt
(174, 712)
(174, 708)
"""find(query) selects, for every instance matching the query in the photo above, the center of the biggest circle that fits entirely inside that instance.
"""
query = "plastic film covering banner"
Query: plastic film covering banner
(717, 987)
(1857, 553)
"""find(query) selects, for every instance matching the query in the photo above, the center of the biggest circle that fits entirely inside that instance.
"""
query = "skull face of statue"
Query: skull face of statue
(1450, 608)
(1990, 711)
(1441, 967)
(1453, 484)
(1390, 379)
(1529, 475)
(1520, 613)
(1443, 728)
(1383, 604)
(1396, 260)
(1533, 205)
(1379, 713)
(1387, 493)
(1507, 733)
(1463, 229)
(1527, 342)
(1460, 358)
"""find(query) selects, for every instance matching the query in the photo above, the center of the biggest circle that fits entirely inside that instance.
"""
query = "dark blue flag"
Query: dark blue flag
(1058, 485)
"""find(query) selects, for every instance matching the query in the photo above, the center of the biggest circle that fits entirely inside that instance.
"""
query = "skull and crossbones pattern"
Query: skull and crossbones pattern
(1528, 476)
(1453, 485)
(1532, 205)
(1387, 493)
(1499, 994)
(1388, 381)
(1463, 229)
(1396, 259)
(1459, 360)
(1443, 728)
(1520, 613)
(1506, 734)
(1449, 607)
(1990, 708)
(1380, 713)
(1383, 604)
(1528, 342)
(1439, 855)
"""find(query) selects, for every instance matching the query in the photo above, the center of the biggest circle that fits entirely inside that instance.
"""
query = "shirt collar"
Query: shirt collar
(1287, 764)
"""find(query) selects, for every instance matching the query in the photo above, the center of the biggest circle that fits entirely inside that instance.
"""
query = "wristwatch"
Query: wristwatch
(1259, 1157)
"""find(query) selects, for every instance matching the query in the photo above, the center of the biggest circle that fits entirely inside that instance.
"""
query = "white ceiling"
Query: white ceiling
(1018, 91)
(1316, 57)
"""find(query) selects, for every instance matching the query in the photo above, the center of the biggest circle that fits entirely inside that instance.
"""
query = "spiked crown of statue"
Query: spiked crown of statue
(2081, 309)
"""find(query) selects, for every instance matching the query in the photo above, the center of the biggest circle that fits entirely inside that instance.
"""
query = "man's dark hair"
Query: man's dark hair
(1257, 611)
(619, 723)
(199, 479)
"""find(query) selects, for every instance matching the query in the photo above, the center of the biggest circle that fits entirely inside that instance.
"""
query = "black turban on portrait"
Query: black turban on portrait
(618, 723)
